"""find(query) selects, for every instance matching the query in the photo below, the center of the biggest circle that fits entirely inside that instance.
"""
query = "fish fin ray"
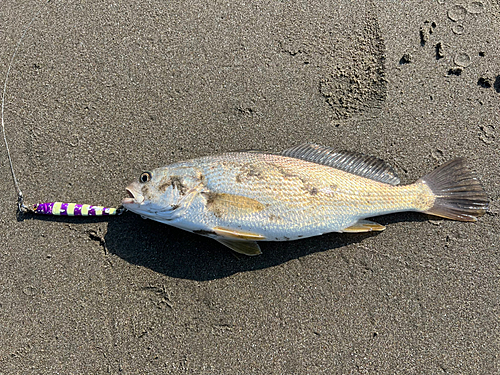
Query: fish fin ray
(250, 248)
(348, 161)
(364, 226)
(458, 193)
(237, 234)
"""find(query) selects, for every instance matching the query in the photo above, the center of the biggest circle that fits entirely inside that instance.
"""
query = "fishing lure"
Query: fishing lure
(49, 208)
(74, 209)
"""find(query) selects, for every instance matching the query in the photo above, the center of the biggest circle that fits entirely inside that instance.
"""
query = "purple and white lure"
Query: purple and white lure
(74, 209)
(50, 208)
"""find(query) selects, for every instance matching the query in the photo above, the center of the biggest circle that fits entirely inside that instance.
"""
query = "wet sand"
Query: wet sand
(100, 92)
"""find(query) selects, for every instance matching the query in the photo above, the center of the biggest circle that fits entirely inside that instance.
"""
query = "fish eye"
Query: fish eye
(145, 177)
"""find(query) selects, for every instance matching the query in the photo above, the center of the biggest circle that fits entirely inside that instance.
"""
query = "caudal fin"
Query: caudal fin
(459, 195)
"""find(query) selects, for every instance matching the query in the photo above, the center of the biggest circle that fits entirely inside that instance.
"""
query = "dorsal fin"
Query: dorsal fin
(348, 161)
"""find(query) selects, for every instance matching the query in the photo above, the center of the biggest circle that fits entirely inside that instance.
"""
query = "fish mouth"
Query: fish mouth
(130, 199)
(134, 197)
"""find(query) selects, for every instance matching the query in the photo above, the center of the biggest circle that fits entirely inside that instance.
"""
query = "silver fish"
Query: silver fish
(239, 198)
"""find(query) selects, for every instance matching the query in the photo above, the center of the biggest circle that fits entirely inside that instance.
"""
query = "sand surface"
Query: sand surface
(101, 91)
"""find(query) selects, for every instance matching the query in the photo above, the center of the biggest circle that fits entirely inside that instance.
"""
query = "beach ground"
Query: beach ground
(99, 92)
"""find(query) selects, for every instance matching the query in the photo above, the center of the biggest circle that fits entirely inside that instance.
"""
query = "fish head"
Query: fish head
(163, 193)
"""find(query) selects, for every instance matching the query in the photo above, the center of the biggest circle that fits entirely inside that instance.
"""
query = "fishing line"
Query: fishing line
(50, 208)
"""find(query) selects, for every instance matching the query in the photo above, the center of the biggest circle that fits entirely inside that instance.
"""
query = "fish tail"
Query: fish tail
(458, 195)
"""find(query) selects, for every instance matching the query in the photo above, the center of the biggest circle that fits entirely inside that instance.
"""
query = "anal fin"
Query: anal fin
(250, 248)
(364, 226)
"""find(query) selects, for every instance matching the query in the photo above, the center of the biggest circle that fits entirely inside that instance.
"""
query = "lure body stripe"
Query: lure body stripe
(73, 209)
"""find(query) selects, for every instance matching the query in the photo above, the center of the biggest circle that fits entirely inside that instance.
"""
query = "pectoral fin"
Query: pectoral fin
(231, 205)
(249, 248)
(364, 226)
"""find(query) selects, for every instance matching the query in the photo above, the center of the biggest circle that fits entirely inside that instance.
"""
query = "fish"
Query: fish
(244, 197)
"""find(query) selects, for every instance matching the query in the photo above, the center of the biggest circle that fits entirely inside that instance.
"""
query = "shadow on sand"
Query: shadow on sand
(176, 253)
(180, 254)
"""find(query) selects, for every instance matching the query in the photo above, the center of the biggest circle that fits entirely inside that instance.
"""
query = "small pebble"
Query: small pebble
(485, 82)
(456, 71)
(439, 51)
(406, 59)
